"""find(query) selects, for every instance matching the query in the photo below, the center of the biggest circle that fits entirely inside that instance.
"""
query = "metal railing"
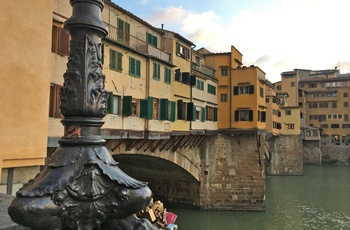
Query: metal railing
(135, 43)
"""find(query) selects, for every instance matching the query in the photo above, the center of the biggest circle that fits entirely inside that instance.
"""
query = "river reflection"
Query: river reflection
(318, 200)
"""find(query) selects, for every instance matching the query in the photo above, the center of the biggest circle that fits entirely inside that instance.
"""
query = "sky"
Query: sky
(276, 35)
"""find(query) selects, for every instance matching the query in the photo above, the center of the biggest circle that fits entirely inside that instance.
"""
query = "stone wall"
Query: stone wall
(233, 173)
(312, 152)
(286, 156)
(335, 154)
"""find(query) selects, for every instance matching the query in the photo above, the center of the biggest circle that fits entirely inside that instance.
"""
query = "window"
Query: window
(340, 116)
(115, 60)
(346, 94)
(60, 41)
(55, 101)
(243, 115)
(279, 87)
(243, 90)
(177, 75)
(324, 126)
(323, 85)
(312, 85)
(267, 100)
(292, 84)
(313, 105)
(301, 85)
(200, 84)
(334, 104)
(211, 113)
(134, 67)
(223, 97)
(313, 117)
(261, 116)
(346, 126)
(181, 110)
(198, 113)
(346, 104)
(151, 39)
(113, 103)
(334, 126)
(211, 89)
(289, 126)
(155, 109)
(261, 92)
(123, 31)
(346, 117)
(224, 71)
(322, 117)
(167, 75)
(156, 71)
(288, 112)
(135, 107)
(182, 51)
(323, 104)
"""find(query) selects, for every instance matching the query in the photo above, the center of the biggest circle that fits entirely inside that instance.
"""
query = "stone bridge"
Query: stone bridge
(220, 171)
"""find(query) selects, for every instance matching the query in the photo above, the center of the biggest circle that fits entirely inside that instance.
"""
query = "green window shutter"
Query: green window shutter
(203, 114)
(250, 115)
(119, 61)
(263, 116)
(110, 102)
(236, 115)
(251, 89)
(155, 41)
(164, 108)
(179, 109)
(150, 108)
(127, 101)
(131, 65)
(194, 118)
(235, 90)
(190, 111)
(144, 108)
(173, 111)
(112, 59)
(138, 68)
(215, 114)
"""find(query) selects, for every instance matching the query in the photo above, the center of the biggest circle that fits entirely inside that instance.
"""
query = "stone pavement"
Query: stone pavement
(5, 220)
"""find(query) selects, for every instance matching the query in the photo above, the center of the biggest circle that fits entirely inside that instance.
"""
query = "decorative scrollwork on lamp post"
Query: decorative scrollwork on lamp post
(81, 186)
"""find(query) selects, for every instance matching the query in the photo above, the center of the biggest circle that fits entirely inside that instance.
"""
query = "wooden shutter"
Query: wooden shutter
(138, 68)
(119, 61)
(143, 108)
(203, 114)
(206, 112)
(63, 42)
(179, 109)
(250, 112)
(185, 77)
(150, 108)
(236, 115)
(263, 116)
(190, 107)
(127, 104)
(173, 111)
(112, 59)
(235, 90)
(193, 80)
(251, 89)
(164, 108)
(110, 102)
(215, 114)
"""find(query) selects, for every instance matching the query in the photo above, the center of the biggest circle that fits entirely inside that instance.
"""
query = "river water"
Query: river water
(320, 199)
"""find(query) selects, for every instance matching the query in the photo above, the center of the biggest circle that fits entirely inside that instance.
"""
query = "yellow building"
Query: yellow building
(289, 84)
(290, 120)
(325, 101)
(24, 84)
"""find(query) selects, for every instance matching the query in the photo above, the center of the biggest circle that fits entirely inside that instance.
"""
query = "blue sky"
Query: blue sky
(276, 35)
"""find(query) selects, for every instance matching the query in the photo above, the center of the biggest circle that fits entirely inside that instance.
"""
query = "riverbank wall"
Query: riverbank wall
(335, 154)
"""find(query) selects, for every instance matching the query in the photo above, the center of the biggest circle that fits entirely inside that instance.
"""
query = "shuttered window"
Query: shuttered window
(156, 71)
(173, 111)
(243, 115)
(164, 109)
(115, 60)
(123, 31)
(55, 101)
(134, 67)
(151, 39)
(167, 75)
(60, 41)
(113, 104)
(127, 106)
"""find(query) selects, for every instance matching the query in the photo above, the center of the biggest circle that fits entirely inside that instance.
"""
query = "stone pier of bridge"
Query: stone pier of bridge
(212, 171)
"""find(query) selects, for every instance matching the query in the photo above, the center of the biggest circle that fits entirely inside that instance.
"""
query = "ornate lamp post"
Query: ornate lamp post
(81, 186)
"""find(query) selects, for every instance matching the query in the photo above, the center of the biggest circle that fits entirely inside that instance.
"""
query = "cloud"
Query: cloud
(308, 34)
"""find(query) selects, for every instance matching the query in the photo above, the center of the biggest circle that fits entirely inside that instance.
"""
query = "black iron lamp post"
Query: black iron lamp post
(81, 186)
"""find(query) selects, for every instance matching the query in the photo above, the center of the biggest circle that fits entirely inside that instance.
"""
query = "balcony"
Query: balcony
(204, 70)
(135, 43)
